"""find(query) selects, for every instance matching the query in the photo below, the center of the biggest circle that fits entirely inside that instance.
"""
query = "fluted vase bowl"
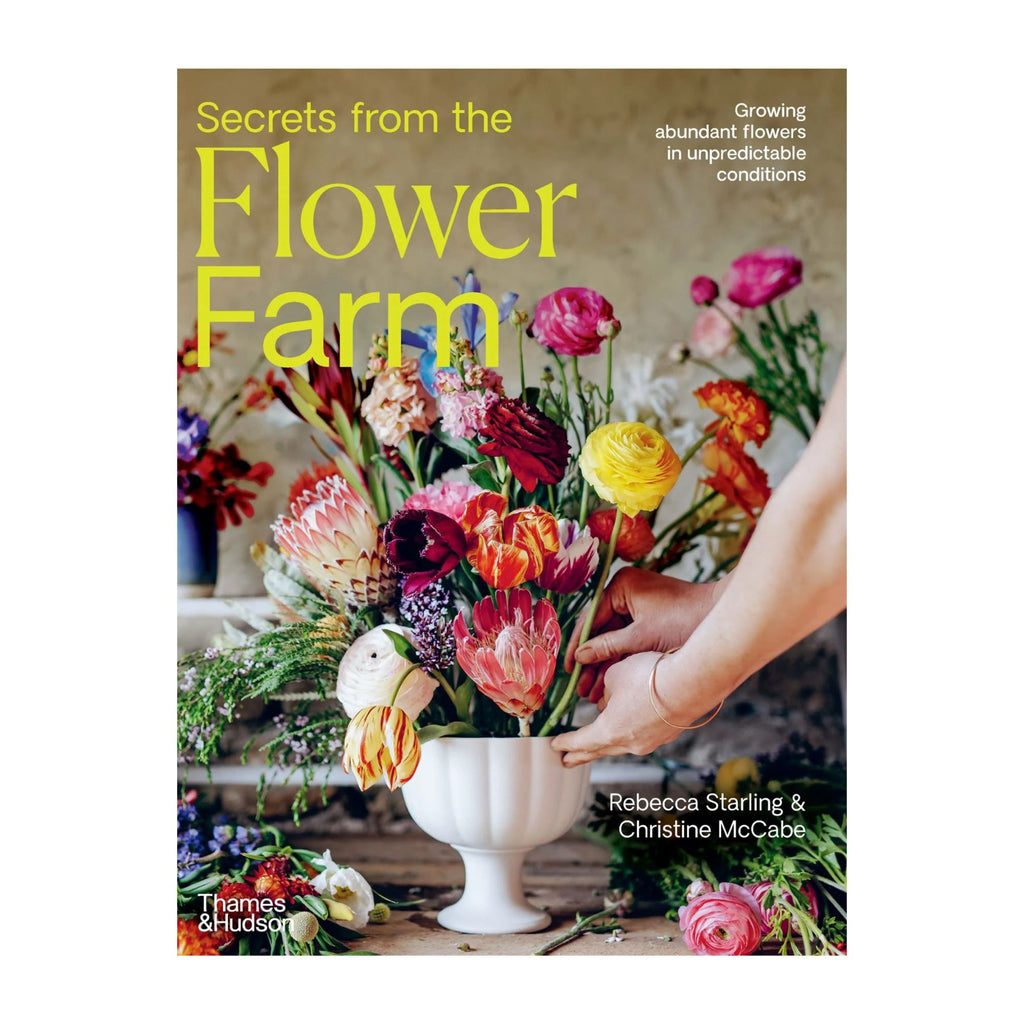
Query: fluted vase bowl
(494, 800)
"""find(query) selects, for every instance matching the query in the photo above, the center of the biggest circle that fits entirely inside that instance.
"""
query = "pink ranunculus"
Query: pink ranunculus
(713, 332)
(763, 275)
(575, 562)
(703, 291)
(698, 887)
(723, 923)
(448, 497)
(761, 890)
(574, 321)
(513, 656)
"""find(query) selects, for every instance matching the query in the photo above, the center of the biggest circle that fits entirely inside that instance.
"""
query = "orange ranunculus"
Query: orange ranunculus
(508, 548)
(195, 941)
(381, 741)
(744, 416)
(736, 476)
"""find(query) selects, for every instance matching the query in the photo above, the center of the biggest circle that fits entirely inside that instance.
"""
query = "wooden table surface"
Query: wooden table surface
(564, 877)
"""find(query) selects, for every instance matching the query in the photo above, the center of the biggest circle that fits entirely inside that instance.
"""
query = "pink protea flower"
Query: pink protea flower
(449, 498)
(724, 923)
(769, 915)
(512, 658)
(332, 535)
(566, 571)
(399, 403)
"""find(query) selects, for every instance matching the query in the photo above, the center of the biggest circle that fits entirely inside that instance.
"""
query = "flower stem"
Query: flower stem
(413, 462)
(576, 930)
(569, 693)
(584, 502)
(445, 685)
(522, 367)
(401, 679)
(679, 520)
(609, 395)
(698, 444)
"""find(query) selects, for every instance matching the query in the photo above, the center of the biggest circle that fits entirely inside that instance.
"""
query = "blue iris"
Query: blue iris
(474, 328)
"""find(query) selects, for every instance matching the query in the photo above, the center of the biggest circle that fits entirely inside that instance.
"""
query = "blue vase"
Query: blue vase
(197, 551)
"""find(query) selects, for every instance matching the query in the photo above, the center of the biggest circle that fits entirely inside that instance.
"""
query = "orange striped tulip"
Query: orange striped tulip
(380, 741)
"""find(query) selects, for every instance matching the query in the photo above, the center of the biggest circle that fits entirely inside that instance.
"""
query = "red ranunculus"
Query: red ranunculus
(535, 447)
(423, 544)
(760, 276)
(574, 321)
(636, 538)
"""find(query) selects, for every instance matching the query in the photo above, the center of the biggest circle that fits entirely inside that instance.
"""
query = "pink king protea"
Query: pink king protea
(512, 658)
(332, 535)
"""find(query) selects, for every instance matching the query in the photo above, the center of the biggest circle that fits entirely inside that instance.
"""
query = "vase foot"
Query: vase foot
(196, 589)
(493, 920)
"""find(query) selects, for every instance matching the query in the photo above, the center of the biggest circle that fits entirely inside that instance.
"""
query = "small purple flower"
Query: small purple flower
(192, 432)
(430, 615)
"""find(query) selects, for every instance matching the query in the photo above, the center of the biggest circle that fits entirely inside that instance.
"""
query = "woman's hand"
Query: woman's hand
(627, 723)
(639, 611)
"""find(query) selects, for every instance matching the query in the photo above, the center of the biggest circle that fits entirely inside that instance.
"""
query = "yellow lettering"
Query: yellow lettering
(208, 200)
(369, 221)
(547, 216)
(430, 218)
(476, 210)
(206, 316)
(314, 325)
(443, 314)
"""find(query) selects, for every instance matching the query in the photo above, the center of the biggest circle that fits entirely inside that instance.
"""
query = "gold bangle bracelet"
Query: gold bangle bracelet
(652, 694)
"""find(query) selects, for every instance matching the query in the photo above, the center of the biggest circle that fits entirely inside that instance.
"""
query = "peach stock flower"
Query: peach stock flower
(513, 655)
(381, 741)
(631, 465)
(399, 403)
(508, 548)
(744, 416)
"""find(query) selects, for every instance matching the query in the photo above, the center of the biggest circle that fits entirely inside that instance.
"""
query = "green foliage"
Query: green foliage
(213, 682)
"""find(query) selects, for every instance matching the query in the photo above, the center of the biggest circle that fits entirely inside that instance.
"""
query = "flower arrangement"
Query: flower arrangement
(242, 892)
(431, 573)
(210, 473)
(786, 357)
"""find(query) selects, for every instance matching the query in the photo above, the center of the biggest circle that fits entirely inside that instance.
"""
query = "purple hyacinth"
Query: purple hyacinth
(430, 615)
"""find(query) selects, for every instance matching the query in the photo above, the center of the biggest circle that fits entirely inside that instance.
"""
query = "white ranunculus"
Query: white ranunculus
(345, 885)
(370, 670)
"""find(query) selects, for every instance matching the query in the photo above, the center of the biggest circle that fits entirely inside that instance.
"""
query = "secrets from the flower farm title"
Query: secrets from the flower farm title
(500, 199)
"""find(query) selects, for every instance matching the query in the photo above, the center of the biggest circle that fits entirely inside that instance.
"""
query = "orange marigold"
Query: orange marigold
(744, 416)
(736, 476)
(636, 538)
(273, 879)
(194, 941)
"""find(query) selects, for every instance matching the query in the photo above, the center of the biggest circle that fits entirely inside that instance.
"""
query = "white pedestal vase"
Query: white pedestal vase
(494, 800)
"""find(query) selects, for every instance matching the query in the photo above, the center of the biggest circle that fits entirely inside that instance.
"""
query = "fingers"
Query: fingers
(613, 609)
(584, 745)
(615, 643)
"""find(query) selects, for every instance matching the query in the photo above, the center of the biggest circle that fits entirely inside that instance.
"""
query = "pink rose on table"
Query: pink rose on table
(763, 275)
(703, 291)
(574, 321)
(713, 332)
(723, 923)
(761, 891)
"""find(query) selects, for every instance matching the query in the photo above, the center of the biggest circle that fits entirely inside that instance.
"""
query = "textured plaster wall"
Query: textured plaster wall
(640, 230)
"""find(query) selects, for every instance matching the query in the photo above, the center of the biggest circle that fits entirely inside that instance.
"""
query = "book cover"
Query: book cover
(477, 368)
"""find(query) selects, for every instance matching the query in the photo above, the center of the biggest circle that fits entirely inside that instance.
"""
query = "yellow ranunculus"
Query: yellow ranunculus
(630, 465)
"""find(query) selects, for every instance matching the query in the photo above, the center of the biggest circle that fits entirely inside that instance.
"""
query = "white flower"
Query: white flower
(345, 885)
(642, 397)
(370, 670)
